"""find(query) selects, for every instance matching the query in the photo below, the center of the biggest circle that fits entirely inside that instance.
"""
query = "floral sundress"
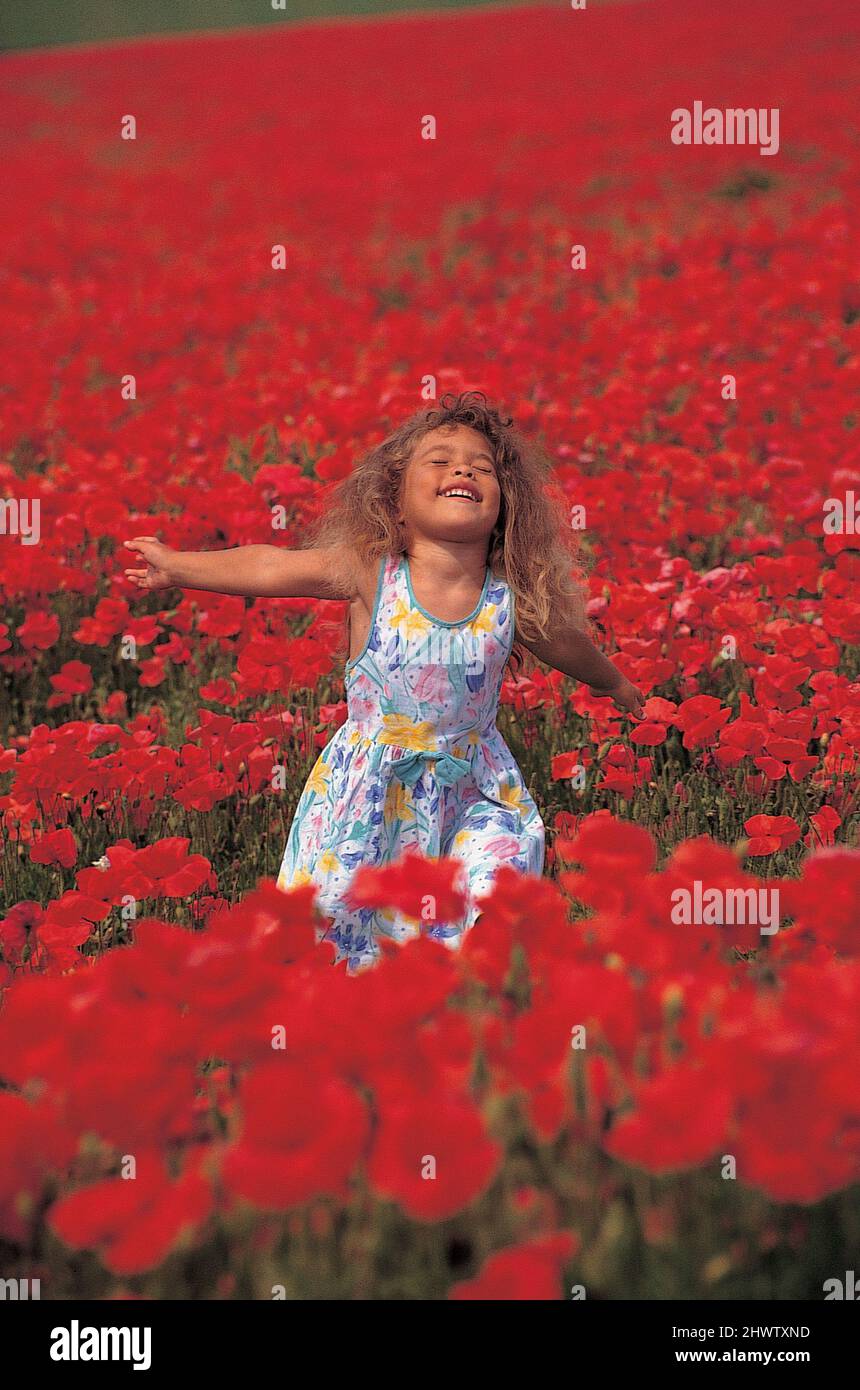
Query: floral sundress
(419, 762)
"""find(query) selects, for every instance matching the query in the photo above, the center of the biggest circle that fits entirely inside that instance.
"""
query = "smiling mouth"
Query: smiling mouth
(462, 494)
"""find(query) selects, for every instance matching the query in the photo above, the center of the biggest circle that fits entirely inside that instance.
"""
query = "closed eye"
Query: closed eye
(489, 471)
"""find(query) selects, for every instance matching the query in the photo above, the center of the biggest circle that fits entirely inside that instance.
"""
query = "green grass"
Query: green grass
(40, 23)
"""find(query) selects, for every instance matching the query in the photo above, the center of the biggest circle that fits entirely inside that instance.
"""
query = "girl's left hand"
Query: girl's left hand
(624, 695)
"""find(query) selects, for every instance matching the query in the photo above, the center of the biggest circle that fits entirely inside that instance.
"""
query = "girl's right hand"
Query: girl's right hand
(157, 558)
(624, 695)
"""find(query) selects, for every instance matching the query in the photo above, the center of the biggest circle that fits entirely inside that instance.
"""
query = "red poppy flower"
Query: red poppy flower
(531, 1270)
(73, 678)
(134, 1223)
(700, 718)
(826, 822)
(56, 847)
(302, 1133)
(39, 631)
(651, 1137)
(565, 765)
(430, 890)
(770, 833)
(34, 1142)
(648, 732)
(432, 1154)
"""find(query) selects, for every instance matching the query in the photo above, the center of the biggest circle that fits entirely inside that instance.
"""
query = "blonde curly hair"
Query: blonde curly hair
(532, 545)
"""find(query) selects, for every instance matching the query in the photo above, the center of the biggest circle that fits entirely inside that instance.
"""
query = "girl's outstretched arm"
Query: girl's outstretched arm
(259, 571)
(572, 651)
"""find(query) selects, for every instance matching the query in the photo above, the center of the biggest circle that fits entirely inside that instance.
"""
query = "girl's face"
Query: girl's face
(445, 462)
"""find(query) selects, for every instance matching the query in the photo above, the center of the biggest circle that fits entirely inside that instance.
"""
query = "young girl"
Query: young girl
(449, 542)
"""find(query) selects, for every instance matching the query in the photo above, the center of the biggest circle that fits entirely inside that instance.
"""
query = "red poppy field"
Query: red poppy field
(594, 1098)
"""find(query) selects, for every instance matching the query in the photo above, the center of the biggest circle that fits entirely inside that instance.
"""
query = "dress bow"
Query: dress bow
(449, 769)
